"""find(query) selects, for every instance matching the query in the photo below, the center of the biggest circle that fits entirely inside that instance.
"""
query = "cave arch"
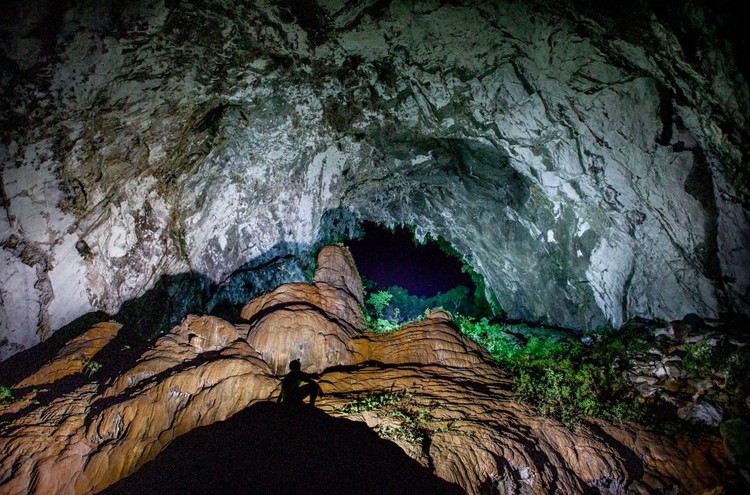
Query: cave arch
(566, 160)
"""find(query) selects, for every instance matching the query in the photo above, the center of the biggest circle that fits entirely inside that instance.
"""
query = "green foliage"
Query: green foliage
(704, 359)
(92, 367)
(310, 272)
(387, 309)
(709, 357)
(373, 402)
(379, 301)
(560, 376)
(379, 325)
(411, 419)
(6, 395)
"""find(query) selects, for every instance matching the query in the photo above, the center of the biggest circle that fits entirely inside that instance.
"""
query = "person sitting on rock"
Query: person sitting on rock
(292, 392)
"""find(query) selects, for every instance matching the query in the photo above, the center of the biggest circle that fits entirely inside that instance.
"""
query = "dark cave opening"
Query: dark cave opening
(392, 258)
(404, 278)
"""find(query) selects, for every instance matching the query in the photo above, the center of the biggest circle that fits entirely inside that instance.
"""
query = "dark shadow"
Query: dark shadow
(22, 364)
(149, 316)
(280, 449)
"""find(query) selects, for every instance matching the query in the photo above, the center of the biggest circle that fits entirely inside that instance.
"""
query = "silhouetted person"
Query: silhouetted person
(292, 392)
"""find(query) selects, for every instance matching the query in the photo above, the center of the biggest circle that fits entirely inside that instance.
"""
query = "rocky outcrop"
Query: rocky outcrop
(426, 387)
(587, 159)
(74, 357)
(696, 367)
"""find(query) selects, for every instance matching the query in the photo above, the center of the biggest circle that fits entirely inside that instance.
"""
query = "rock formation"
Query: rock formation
(589, 160)
(435, 393)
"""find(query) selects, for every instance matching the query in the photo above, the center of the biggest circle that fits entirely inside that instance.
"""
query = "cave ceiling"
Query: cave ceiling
(589, 162)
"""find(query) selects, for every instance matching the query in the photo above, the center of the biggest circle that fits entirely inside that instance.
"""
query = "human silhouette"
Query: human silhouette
(292, 392)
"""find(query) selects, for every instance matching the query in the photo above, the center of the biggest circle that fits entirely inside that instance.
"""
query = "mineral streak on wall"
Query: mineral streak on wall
(590, 163)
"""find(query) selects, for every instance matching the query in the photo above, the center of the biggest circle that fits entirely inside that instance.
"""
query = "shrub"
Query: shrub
(6, 396)
(411, 419)
(92, 367)
(561, 377)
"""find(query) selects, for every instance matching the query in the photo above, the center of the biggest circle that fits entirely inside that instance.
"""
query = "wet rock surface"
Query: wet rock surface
(588, 160)
(428, 389)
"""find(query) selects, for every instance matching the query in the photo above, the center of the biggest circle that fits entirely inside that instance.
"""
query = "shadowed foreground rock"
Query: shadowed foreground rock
(434, 393)
(273, 448)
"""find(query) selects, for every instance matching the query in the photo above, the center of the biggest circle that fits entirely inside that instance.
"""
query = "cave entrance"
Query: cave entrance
(417, 276)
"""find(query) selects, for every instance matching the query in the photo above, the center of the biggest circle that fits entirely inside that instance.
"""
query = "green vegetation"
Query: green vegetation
(554, 370)
(408, 420)
(387, 310)
(374, 402)
(92, 367)
(560, 376)
(6, 396)
(717, 359)
(561, 373)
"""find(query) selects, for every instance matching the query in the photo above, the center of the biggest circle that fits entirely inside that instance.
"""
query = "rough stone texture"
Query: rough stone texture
(661, 370)
(470, 430)
(74, 357)
(487, 443)
(87, 439)
(312, 323)
(589, 160)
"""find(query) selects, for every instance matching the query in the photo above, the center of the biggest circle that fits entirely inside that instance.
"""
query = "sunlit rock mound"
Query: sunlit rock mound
(197, 412)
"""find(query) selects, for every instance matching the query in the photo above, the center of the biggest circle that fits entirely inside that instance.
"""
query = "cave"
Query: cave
(393, 258)
(176, 175)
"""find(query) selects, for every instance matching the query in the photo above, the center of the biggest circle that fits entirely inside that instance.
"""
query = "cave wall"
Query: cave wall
(591, 164)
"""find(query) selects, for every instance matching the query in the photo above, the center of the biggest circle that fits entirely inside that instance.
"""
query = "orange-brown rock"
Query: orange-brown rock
(450, 407)
(434, 340)
(74, 357)
(313, 323)
(86, 440)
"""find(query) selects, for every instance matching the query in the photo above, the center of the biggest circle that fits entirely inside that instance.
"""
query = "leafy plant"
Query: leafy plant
(379, 301)
(92, 367)
(560, 376)
(372, 402)
(709, 357)
(412, 419)
(6, 395)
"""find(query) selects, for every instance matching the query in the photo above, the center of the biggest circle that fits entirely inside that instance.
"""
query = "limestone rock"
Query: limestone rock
(74, 357)
(430, 341)
(312, 323)
(705, 393)
(702, 413)
(588, 159)
(84, 440)
(444, 402)
(337, 269)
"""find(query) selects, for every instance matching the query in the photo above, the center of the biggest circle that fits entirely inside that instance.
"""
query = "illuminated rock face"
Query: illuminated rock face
(466, 427)
(587, 165)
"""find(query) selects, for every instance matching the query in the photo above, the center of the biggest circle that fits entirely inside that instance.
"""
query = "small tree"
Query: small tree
(379, 301)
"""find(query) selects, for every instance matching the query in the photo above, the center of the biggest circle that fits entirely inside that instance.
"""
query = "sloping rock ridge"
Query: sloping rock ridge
(436, 394)
(589, 160)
